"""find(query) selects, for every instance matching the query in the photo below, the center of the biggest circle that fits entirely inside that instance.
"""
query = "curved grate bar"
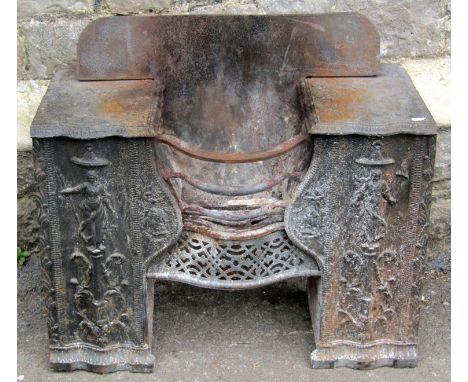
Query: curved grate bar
(213, 156)
(231, 190)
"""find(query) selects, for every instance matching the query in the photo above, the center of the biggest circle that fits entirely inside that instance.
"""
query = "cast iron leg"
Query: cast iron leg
(369, 197)
(95, 211)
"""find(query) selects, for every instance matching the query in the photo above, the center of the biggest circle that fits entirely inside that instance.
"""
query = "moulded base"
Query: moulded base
(99, 360)
(367, 356)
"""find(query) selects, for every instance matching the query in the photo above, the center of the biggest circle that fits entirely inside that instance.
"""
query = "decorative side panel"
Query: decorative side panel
(370, 251)
(91, 179)
(93, 263)
(375, 208)
(155, 206)
(156, 221)
(307, 218)
(311, 219)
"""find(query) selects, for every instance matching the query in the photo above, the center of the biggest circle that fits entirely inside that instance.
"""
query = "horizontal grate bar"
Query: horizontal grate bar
(231, 190)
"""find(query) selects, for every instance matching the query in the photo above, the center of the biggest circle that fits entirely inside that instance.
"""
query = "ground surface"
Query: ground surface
(257, 335)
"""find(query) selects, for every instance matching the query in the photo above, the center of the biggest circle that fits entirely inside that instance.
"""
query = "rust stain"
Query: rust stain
(149, 41)
(130, 108)
(220, 157)
(339, 104)
(113, 107)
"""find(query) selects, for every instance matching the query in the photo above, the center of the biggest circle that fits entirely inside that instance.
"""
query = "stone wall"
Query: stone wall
(413, 32)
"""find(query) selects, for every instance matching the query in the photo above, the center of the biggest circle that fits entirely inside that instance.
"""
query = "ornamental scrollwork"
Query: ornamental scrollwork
(367, 303)
(46, 264)
(101, 309)
(98, 278)
(368, 273)
(311, 221)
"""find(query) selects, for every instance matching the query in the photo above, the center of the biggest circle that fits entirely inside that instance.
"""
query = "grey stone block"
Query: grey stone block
(51, 43)
(407, 28)
(297, 6)
(440, 219)
(31, 8)
(442, 169)
(28, 97)
(136, 6)
(230, 7)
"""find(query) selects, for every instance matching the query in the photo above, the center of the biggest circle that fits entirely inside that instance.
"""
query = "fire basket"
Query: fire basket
(232, 152)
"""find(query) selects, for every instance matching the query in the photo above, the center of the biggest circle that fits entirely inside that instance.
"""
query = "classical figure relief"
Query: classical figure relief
(368, 197)
(367, 201)
(367, 275)
(98, 278)
(95, 205)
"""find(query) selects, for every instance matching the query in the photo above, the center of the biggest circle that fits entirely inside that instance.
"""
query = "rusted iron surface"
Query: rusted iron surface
(97, 109)
(202, 226)
(387, 104)
(249, 218)
(232, 190)
(243, 220)
(362, 210)
(235, 157)
(191, 48)
(99, 214)
(233, 215)
(231, 152)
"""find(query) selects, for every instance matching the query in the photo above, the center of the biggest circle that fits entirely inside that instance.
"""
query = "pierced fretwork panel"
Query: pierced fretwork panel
(198, 259)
